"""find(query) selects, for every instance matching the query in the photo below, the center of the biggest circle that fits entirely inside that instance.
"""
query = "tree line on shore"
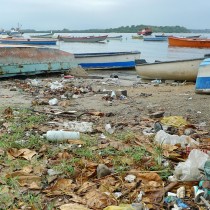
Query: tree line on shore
(121, 29)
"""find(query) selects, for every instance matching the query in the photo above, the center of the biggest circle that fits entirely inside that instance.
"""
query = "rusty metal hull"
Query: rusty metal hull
(18, 60)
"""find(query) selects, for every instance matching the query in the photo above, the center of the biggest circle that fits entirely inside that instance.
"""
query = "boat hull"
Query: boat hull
(170, 70)
(16, 61)
(43, 36)
(83, 39)
(189, 42)
(28, 41)
(203, 78)
(156, 39)
(115, 38)
(110, 60)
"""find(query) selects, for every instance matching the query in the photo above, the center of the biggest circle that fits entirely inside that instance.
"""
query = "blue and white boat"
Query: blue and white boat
(107, 60)
(203, 77)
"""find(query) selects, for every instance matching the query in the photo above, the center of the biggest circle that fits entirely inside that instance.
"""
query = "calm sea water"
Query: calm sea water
(150, 51)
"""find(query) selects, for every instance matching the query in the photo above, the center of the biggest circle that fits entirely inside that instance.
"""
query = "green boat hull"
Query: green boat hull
(18, 60)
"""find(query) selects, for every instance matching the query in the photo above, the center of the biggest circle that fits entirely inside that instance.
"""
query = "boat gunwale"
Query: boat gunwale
(174, 61)
(81, 55)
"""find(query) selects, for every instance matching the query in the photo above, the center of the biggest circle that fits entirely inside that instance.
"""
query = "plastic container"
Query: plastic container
(61, 135)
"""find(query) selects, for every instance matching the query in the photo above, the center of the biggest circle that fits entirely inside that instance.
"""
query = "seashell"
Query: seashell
(181, 192)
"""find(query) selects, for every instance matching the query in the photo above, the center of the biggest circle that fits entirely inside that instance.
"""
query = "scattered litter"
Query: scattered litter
(189, 170)
(130, 178)
(53, 102)
(109, 129)
(61, 135)
(79, 126)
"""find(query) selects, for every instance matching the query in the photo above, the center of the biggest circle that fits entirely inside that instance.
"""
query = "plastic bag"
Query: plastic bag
(189, 170)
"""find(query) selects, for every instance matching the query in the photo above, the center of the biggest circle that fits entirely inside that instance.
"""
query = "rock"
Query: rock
(158, 114)
(102, 170)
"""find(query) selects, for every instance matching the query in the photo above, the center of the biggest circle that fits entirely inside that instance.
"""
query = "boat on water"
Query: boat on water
(161, 35)
(145, 32)
(3, 35)
(15, 32)
(203, 78)
(155, 38)
(137, 37)
(107, 60)
(33, 41)
(49, 35)
(180, 70)
(120, 37)
(83, 39)
(28, 60)
(188, 42)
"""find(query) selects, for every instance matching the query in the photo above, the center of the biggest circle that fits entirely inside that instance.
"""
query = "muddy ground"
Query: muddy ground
(143, 97)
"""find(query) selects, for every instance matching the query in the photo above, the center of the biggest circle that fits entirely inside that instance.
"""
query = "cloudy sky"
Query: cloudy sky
(91, 14)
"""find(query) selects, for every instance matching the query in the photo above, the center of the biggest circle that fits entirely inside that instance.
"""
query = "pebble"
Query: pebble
(102, 170)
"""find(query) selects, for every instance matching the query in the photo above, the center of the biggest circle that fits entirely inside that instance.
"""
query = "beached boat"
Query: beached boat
(145, 32)
(32, 41)
(22, 60)
(188, 42)
(155, 38)
(170, 70)
(108, 60)
(49, 35)
(203, 77)
(120, 37)
(83, 39)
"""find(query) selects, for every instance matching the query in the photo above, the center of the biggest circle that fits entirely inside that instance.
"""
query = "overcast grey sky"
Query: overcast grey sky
(91, 14)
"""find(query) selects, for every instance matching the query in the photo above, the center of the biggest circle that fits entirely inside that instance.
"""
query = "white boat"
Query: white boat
(108, 60)
(203, 77)
(120, 37)
(49, 35)
(170, 70)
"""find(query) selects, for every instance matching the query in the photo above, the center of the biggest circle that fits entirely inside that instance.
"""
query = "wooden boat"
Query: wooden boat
(170, 70)
(203, 78)
(145, 32)
(83, 39)
(108, 60)
(154, 38)
(49, 35)
(138, 37)
(193, 36)
(161, 35)
(28, 41)
(22, 60)
(120, 37)
(188, 42)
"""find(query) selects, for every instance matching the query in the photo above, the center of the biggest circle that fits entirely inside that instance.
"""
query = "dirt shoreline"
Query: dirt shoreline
(142, 98)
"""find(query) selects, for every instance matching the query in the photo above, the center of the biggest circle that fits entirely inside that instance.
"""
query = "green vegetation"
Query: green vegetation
(121, 29)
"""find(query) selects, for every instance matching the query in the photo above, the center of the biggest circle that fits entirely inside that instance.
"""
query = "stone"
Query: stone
(102, 170)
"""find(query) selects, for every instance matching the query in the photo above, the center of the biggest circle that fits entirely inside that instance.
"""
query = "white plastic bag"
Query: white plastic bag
(189, 170)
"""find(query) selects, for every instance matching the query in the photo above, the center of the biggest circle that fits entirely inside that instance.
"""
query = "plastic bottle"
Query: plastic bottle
(61, 135)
